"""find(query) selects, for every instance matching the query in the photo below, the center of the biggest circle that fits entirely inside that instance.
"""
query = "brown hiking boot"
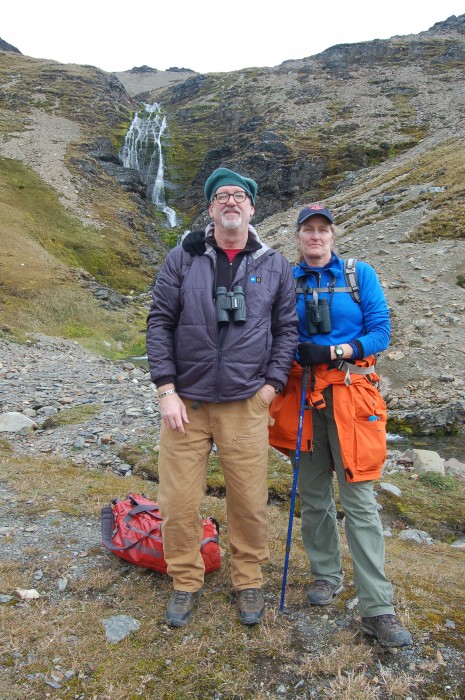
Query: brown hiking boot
(251, 606)
(322, 592)
(179, 608)
(388, 630)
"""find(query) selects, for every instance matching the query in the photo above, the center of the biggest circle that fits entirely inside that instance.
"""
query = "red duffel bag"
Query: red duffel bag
(131, 529)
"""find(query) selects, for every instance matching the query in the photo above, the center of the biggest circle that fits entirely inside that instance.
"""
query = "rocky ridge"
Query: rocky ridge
(113, 405)
(142, 80)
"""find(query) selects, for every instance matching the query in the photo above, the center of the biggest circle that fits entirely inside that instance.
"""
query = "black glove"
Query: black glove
(312, 354)
(194, 243)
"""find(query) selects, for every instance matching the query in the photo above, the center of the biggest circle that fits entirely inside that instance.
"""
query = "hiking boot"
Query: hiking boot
(388, 630)
(179, 608)
(251, 606)
(322, 592)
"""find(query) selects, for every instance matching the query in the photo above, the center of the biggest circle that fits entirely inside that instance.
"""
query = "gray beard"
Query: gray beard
(231, 224)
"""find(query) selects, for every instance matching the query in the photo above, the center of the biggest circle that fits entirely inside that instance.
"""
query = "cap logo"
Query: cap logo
(316, 207)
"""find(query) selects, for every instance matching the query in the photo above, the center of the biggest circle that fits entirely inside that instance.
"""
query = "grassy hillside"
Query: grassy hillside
(42, 243)
(61, 214)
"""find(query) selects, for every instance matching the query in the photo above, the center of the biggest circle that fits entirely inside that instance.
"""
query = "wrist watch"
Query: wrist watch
(339, 352)
(277, 390)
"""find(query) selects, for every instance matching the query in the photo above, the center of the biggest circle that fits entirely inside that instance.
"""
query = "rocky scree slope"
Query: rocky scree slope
(422, 371)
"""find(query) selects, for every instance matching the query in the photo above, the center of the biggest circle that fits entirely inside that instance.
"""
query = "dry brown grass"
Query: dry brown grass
(345, 655)
(351, 686)
(215, 656)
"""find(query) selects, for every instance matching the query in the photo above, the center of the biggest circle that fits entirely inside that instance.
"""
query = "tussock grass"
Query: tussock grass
(430, 502)
(351, 685)
(215, 656)
(71, 416)
(346, 654)
(63, 482)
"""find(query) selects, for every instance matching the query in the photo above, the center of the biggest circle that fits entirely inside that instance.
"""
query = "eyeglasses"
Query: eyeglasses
(223, 197)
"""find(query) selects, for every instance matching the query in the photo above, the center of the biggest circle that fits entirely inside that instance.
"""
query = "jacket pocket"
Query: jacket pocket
(369, 433)
(370, 445)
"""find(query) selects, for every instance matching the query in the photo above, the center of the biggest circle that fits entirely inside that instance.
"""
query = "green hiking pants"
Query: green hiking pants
(363, 528)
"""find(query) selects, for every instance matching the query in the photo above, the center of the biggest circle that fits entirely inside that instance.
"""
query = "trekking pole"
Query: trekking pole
(294, 482)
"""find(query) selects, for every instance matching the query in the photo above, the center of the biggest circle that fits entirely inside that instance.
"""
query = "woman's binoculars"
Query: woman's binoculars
(230, 306)
(318, 316)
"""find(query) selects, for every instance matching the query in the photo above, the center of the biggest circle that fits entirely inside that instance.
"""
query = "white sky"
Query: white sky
(203, 35)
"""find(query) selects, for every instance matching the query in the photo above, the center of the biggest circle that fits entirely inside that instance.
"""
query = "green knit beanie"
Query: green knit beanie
(224, 176)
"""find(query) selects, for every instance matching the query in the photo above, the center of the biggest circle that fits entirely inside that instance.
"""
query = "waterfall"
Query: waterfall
(142, 150)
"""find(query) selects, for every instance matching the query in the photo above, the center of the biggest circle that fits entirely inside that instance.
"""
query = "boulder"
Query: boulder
(426, 461)
(453, 466)
(15, 422)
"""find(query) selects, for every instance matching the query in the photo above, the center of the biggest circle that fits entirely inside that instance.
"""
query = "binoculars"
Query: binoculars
(317, 316)
(230, 306)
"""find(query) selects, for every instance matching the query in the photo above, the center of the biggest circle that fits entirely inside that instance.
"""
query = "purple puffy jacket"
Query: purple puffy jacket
(182, 329)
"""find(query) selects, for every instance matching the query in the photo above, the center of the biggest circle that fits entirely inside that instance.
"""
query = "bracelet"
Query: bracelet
(167, 393)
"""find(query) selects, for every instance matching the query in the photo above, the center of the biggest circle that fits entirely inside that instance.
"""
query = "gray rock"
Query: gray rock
(119, 626)
(6, 598)
(14, 422)
(418, 536)
(124, 469)
(431, 419)
(390, 488)
(455, 467)
(426, 461)
(30, 412)
(47, 411)
(133, 412)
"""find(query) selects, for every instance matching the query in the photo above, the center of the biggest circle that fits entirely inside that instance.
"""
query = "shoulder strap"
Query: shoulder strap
(107, 522)
(301, 285)
(351, 278)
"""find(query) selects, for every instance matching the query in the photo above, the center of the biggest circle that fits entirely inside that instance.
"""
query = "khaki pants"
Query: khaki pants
(240, 431)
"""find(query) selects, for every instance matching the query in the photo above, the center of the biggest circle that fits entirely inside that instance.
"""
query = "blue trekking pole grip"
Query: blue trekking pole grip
(303, 398)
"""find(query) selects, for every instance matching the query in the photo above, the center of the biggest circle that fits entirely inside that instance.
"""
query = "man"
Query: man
(221, 337)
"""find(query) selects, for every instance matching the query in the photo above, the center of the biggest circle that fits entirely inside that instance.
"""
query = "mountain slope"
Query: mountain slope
(60, 210)
(300, 128)
(376, 129)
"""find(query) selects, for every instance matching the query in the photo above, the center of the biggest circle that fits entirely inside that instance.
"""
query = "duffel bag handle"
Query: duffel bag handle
(106, 525)
(145, 509)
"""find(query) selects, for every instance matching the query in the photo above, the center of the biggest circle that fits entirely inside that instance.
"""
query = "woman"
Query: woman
(340, 330)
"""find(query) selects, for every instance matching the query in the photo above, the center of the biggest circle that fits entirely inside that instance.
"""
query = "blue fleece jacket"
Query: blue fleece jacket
(367, 322)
